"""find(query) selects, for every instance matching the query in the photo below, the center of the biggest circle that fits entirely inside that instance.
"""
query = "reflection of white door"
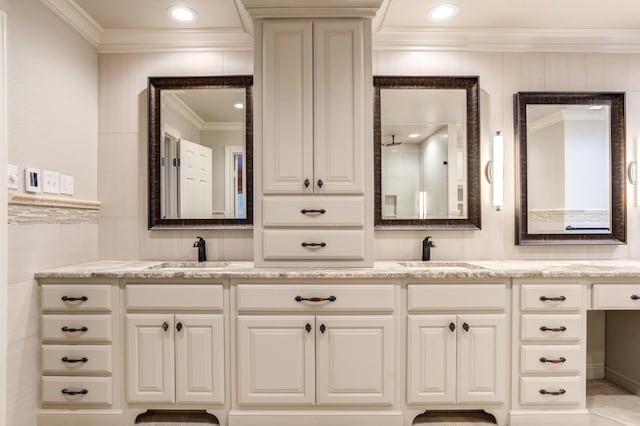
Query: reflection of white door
(235, 182)
(195, 180)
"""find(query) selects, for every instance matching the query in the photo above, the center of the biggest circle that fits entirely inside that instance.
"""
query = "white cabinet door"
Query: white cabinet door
(481, 358)
(287, 107)
(339, 107)
(431, 358)
(276, 360)
(354, 360)
(150, 358)
(199, 343)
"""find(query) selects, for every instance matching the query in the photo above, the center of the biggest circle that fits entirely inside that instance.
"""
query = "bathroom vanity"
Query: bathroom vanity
(374, 346)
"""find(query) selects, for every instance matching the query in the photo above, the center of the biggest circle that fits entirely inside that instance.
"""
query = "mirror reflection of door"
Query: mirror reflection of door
(235, 182)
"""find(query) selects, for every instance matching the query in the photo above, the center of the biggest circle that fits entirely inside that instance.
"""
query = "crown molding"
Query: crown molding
(77, 18)
(508, 40)
(165, 40)
(176, 104)
(222, 126)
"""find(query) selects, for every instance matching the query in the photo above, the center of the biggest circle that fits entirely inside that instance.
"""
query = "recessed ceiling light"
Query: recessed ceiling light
(414, 135)
(595, 107)
(182, 14)
(443, 12)
(238, 105)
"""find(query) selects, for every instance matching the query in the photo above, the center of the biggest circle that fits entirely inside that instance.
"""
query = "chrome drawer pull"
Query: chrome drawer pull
(315, 299)
(554, 361)
(559, 392)
(306, 244)
(635, 297)
(313, 211)
(74, 299)
(553, 299)
(74, 330)
(555, 330)
(74, 360)
(71, 392)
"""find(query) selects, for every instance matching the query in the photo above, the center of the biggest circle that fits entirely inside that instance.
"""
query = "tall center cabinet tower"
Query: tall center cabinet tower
(313, 135)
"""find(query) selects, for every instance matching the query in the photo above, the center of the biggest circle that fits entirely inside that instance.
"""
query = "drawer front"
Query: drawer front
(616, 296)
(556, 359)
(267, 297)
(457, 296)
(321, 244)
(548, 328)
(313, 211)
(544, 297)
(76, 359)
(76, 298)
(77, 328)
(174, 297)
(56, 390)
(551, 390)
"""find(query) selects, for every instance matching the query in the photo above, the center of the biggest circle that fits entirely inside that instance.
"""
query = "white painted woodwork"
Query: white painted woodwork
(287, 211)
(98, 298)
(287, 107)
(530, 295)
(276, 360)
(457, 296)
(281, 298)
(150, 358)
(287, 244)
(482, 359)
(338, 106)
(99, 391)
(172, 297)
(195, 180)
(431, 358)
(199, 352)
(530, 390)
(530, 359)
(354, 360)
(98, 328)
(530, 325)
(609, 296)
(99, 359)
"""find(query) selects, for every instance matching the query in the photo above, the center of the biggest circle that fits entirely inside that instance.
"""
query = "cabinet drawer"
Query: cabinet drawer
(267, 297)
(457, 296)
(285, 244)
(98, 390)
(550, 359)
(547, 297)
(76, 359)
(618, 296)
(532, 390)
(551, 327)
(313, 211)
(76, 298)
(77, 328)
(174, 297)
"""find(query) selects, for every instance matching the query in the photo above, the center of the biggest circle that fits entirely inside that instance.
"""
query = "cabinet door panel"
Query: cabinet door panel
(431, 358)
(200, 359)
(339, 109)
(150, 358)
(276, 360)
(287, 107)
(481, 358)
(355, 360)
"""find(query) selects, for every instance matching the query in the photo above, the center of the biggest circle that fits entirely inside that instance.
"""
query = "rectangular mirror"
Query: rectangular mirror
(426, 136)
(570, 150)
(200, 151)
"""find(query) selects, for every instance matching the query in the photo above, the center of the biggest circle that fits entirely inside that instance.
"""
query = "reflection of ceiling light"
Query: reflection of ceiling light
(595, 107)
(182, 14)
(414, 135)
(238, 105)
(443, 12)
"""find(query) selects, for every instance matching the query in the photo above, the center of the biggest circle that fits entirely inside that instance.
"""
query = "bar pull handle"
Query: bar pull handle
(553, 361)
(74, 360)
(74, 330)
(72, 392)
(315, 299)
(553, 299)
(307, 244)
(555, 330)
(74, 299)
(555, 393)
(313, 211)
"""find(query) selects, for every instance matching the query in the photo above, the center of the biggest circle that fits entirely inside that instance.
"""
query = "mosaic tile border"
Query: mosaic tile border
(38, 209)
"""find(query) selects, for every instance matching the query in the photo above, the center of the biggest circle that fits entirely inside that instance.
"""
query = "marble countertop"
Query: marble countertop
(485, 269)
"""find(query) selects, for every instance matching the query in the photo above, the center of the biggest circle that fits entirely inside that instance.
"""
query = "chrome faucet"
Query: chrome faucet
(427, 244)
(202, 249)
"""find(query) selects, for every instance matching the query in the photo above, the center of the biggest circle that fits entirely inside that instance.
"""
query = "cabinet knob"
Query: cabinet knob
(179, 326)
(452, 327)
(165, 326)
(308, 328)
(553, 299)
(635, 297)
(558, 392)
(320, 183)
(553, 361)
(323, 328)
(307, 183)
(465, 326)
(74, 299)
(554, 329)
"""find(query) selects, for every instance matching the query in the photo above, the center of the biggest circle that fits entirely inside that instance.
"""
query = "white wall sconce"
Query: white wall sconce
(632, 172)
(495, 171)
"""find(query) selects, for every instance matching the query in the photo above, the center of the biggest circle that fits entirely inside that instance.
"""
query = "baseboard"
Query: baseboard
(315, 418)
(595, 371)
(564, 418)
(623, 381)
(79, 418)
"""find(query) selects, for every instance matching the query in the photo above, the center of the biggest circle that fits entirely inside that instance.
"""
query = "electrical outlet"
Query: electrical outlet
(51, 182)
(12, 176)
(66, 184)
(32, 179)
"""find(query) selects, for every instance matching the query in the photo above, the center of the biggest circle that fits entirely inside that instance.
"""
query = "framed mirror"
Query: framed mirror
(200, 152)
(427, 153)
(570, 168)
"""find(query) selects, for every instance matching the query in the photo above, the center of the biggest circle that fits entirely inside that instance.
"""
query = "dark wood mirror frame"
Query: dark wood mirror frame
(617, 141)
(471, 85)
(155, 87)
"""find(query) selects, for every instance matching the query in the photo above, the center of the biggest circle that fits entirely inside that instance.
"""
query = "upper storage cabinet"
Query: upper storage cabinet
(313, 112)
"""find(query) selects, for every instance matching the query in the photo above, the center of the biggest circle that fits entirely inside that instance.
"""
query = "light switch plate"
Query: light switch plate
(12, 176)
(66, 185)
(51, 182)
(32, 179)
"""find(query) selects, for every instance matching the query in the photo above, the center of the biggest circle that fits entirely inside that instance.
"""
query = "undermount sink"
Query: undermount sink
(189, 265)
(439, 265)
